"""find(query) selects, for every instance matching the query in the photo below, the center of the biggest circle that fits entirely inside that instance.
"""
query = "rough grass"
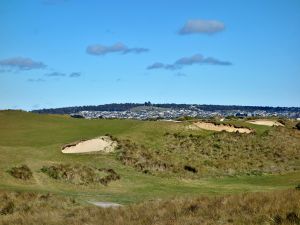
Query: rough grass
(273, 208)
(36, 140)
(78, 174)
(219, 154)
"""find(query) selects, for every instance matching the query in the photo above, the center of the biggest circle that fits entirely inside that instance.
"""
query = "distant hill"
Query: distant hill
(129, 106)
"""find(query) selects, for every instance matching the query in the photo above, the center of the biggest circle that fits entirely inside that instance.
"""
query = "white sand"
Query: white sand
(266, 122)
(221, 127)
(104, 144)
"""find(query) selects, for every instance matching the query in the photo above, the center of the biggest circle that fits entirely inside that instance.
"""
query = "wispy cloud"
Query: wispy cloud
(186, 61)
(159, 65)
(74, 74)
(22, 63)
(55, 74)
(202, 27)
(199, 59)
(135, 50)
(35, 80)
(98, 49)
(59, 74)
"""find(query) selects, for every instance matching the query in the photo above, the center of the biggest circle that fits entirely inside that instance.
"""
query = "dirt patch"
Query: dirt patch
(269, 123)
(220, 127)
(100, 144)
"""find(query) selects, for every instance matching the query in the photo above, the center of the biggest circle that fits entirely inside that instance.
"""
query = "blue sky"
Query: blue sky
(56, 53)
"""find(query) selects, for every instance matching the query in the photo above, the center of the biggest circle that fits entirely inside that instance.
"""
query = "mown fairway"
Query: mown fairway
(36, 140)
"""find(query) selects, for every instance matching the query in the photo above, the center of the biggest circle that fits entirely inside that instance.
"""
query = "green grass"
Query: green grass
(35, 140)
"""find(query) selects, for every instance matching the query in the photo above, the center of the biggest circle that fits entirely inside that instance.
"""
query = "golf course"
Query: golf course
(154, 163)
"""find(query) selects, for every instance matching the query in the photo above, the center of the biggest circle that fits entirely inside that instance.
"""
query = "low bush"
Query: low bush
(82, 175)
(298, 126)
(7, 208)
(22, 172)
(190, 169)
(112, 176)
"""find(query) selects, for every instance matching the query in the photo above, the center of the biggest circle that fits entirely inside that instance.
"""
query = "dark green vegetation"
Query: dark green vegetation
(272, 208)
(155, 160)
(22, 172)
(82, 175)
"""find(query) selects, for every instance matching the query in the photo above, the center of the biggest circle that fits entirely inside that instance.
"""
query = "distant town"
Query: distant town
(149, 111)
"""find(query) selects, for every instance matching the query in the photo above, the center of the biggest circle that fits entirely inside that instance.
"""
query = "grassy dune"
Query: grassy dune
(36, 140)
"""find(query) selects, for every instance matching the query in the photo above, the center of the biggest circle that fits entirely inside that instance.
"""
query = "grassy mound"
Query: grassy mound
(78, 174)
(22, 172)
(273, 208)
(219, 154)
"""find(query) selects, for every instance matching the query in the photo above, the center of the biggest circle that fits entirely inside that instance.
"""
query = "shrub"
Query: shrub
(298, 126)
(293, 218)
(22, 172)
(190, 169)
(112, 176)
(282, 121)
(78, 174)
(8, 208)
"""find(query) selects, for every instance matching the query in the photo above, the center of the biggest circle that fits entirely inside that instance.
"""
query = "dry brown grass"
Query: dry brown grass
(274, 208)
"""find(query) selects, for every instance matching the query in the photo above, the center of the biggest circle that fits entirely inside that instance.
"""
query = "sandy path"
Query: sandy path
(221, 127)
(266, 122)
(106, 204)
(104, 144)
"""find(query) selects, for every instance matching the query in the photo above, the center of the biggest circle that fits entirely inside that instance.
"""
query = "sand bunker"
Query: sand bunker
(221, 127)
(103, 144)
(266, 122)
